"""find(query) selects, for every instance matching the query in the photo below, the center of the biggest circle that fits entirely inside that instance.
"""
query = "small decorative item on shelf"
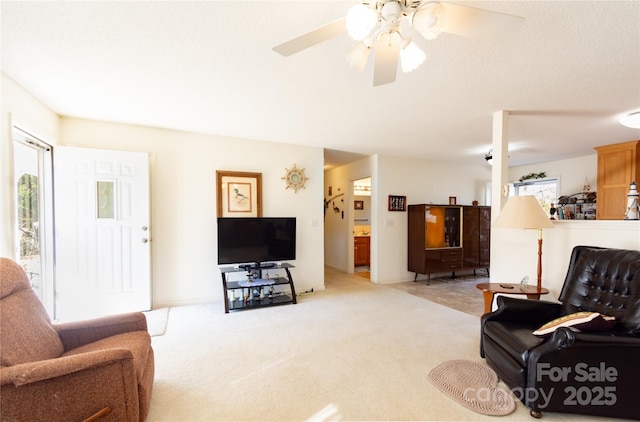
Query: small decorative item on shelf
(552, 211)
(587, 187)
(452, 200)
(632, 203)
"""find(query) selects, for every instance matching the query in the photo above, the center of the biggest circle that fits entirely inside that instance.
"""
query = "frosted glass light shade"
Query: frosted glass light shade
(357, 56)
(360, 21)
(429, 20)
(522, 212)
(411, 57)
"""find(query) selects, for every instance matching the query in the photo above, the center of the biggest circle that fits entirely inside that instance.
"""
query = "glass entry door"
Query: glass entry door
(34, 213)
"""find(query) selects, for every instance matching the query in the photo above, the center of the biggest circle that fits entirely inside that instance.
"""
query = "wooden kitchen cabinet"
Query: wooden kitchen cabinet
(618, 166)
(361, 251)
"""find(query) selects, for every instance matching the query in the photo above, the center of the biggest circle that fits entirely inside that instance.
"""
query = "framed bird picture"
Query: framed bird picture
(239, 194)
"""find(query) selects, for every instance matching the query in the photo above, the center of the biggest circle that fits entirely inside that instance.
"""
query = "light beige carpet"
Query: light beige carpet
(353, 352)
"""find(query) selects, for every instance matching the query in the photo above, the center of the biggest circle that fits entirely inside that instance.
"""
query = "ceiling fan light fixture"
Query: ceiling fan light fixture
(429, 20)
(631, 120)
(411, 57)
(360, 21)
(358, 55)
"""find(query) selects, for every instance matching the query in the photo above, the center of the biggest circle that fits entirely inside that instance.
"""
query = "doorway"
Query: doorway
(32, 163)
(362, 227)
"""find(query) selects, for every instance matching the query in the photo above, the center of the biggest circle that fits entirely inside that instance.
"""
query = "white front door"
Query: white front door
(102, 232)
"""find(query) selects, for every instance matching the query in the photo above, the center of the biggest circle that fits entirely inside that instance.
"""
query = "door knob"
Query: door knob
(145, 240)
(144, 228)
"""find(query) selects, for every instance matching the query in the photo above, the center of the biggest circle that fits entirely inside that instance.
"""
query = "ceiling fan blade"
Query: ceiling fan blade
(479, 23)
(386, 59)
(312, 38)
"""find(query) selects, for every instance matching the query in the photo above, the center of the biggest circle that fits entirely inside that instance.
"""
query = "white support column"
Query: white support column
(499, 169)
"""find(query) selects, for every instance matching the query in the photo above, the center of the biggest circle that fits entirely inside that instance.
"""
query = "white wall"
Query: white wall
(514, 252)
(183, 201)
(18, 107)
(572, 172)
(421, 181)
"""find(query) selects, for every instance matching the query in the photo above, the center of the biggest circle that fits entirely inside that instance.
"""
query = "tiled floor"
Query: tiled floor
(459, 293)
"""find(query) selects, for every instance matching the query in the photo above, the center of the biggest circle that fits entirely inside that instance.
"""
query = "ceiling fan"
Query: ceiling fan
(377, 25)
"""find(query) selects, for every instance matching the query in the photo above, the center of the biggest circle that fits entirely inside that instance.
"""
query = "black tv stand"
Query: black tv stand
(238, 301)
(258, 266)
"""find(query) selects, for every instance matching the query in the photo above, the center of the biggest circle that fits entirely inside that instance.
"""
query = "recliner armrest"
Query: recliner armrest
(523, 310)
(31, 372)
(78, 333)
(565, 337)
(71, 388)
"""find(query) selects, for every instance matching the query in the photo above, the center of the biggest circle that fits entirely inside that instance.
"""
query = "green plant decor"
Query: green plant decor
(530, 176)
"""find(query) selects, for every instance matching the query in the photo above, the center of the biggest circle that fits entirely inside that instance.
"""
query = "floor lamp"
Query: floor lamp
(525, 212)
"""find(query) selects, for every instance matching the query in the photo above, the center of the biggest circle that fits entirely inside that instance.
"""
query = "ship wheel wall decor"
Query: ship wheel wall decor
(295, 178)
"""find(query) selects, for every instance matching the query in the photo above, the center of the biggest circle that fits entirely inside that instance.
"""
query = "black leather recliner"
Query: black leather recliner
(593, 373)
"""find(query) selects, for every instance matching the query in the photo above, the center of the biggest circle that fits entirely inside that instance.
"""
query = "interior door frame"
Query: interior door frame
(44, 148)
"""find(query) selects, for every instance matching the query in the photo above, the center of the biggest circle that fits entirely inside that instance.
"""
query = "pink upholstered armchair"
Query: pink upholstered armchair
(101, 368)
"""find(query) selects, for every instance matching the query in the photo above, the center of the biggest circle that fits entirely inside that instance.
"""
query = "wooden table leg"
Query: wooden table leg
(535, 297)
(488, 301)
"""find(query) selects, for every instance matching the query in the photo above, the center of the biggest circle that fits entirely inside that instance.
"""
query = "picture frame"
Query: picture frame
(452, 200)
(238, 194)
(397, 203)
(358, 205)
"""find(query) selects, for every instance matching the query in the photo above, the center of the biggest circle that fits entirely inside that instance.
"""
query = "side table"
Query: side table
(490, 289)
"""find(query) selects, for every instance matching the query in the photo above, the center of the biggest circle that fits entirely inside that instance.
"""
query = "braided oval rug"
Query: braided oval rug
(474, 386)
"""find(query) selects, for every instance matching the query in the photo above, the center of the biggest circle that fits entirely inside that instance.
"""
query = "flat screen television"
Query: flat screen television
(257, 241)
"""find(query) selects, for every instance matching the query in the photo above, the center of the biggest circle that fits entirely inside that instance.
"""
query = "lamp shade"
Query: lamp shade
(522, 212)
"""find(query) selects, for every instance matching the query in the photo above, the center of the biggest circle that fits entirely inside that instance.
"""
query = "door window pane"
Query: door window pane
(33, 213)
(28, 211)
(106, 203)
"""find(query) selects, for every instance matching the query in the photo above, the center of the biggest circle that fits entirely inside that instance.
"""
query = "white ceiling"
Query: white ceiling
(568, 74)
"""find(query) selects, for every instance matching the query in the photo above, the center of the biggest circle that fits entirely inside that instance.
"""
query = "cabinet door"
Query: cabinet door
(484, 242)
(416, 238)
(618, 166)
(361, 251)
(471, 236)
